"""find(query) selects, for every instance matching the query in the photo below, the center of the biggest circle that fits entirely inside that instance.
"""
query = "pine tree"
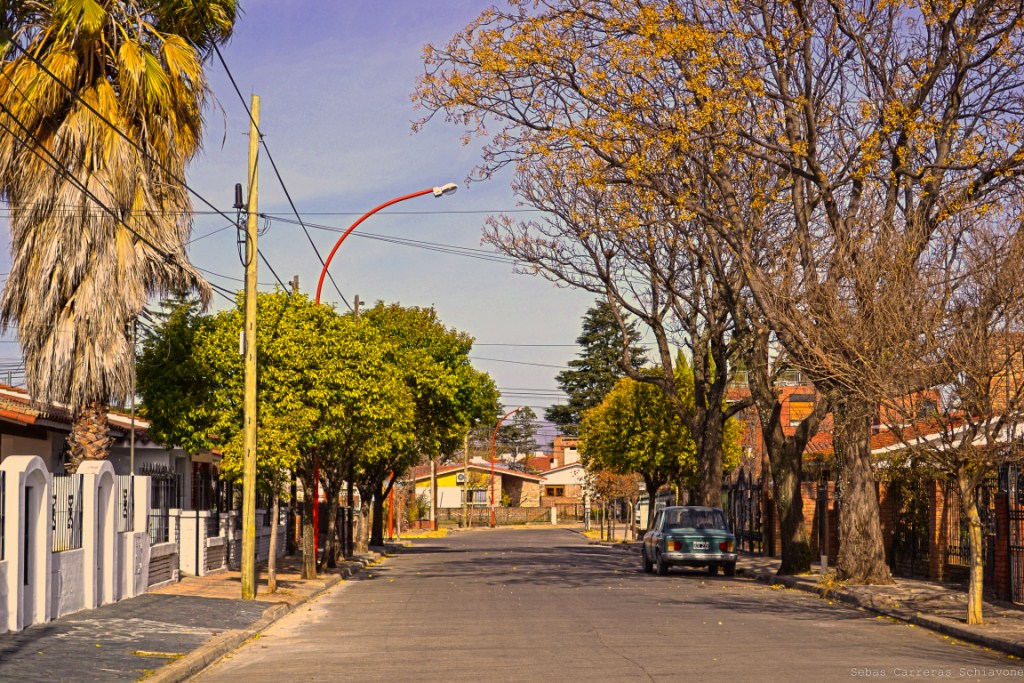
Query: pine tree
(593, 374)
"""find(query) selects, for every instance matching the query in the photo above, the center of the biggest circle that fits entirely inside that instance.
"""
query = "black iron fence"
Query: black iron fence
(3, 513)
(1015, 491)
(66, 512)
(742, 501)
(165, 495)
(910, 505)
(125, 503)
(958, 544)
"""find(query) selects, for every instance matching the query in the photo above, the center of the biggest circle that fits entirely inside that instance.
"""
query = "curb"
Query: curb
(942, 625)
(209, 652)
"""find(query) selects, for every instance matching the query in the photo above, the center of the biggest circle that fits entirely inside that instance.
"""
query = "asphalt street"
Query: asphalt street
(544, 605)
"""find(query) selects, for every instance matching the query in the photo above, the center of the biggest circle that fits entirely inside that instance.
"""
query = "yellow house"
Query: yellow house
(511, 487)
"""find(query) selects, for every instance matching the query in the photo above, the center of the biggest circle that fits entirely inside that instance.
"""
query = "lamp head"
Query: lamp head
(450, 188)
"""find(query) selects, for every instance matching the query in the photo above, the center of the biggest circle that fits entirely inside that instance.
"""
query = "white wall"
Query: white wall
(109, 565)
(570, 476)
(67, 583)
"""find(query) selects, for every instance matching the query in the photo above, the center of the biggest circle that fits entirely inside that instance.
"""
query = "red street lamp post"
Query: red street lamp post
(450, 188)
(439, 191)
(493, 437)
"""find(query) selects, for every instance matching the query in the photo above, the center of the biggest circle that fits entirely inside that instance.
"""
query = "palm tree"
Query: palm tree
(99, 220)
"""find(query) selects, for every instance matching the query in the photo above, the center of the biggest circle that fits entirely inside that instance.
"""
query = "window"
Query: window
(800, 407)
(690, 518)
(554, 490)
(477, 497)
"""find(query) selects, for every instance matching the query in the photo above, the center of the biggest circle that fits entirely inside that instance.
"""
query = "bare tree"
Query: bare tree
(610, 241)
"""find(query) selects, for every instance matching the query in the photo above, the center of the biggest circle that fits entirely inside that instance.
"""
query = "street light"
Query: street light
(493, 437)
(440, 191)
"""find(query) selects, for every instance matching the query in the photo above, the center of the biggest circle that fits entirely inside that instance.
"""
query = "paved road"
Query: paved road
(543, 605)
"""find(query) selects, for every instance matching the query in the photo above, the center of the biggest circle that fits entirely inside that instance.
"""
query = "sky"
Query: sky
(335, 81)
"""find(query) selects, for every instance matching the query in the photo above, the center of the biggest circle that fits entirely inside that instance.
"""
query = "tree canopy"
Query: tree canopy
(593, 374)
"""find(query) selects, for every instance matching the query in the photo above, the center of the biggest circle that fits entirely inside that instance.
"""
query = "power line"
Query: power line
(35, 60)
(470, 252)
(273, 165)
(518, 362)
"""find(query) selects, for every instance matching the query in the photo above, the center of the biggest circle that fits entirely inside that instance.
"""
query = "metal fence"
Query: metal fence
(66, 512)
(909, 553)
(3, 513)
(125, 503)
(1015, 491)
(958, 546)
(743, 507)
(165, 490)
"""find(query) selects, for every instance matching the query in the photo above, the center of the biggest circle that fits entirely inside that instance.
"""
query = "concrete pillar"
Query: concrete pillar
(28, 559)
(99, 532)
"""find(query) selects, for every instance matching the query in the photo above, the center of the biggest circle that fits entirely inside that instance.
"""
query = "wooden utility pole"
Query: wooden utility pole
(249, 472)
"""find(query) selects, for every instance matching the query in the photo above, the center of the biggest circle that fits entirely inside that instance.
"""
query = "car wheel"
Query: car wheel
(730, 569)
(648, 565)
(662, 566)
(712, 569)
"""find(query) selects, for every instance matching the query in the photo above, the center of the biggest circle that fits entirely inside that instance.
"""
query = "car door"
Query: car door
(652, 536)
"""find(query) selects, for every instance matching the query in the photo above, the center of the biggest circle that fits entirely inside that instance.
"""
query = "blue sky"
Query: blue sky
(335, 80)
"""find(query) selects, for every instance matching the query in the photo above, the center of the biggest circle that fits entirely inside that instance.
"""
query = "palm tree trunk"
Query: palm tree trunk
(89, 439)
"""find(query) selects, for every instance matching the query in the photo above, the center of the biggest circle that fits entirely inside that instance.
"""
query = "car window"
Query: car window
(657, 520)
(688, 518)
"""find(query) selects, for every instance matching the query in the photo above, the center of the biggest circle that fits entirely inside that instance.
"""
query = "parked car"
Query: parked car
(689, 536)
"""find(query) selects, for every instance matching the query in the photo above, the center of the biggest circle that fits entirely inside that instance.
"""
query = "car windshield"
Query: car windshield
(695, 519)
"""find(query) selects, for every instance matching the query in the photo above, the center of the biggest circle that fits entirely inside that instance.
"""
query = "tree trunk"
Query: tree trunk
(272, 555)
(89, 438)
(308, 545)
(363, 531)
(377, 527)
(976, 582)
(709, 458)
(861, 551)
(789, 503)
(331, 541)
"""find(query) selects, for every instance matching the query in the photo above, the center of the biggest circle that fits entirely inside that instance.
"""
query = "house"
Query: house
(565, 451)
(566, 485)
(31, 428)
(512, 488)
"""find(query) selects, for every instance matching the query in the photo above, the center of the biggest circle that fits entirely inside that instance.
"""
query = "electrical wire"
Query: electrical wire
(273, 165)
(35, 60)
(470, 252)
(519, 362)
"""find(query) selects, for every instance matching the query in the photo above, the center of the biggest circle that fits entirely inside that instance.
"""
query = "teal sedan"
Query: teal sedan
(689, 536)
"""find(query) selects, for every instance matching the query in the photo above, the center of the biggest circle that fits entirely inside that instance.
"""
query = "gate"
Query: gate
(908, 554)
(1015, 488)
(958, 544)
(745, 514)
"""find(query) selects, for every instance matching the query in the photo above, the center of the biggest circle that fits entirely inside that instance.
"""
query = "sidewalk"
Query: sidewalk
(163, 636)
(936, 606)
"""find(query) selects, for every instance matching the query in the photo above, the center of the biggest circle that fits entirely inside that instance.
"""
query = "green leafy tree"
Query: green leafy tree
(637, 430)
(99, 221)
(593, 374)
(447, 392)
(328, 395)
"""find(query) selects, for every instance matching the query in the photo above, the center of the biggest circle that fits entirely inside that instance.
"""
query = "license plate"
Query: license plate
(700, 545)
